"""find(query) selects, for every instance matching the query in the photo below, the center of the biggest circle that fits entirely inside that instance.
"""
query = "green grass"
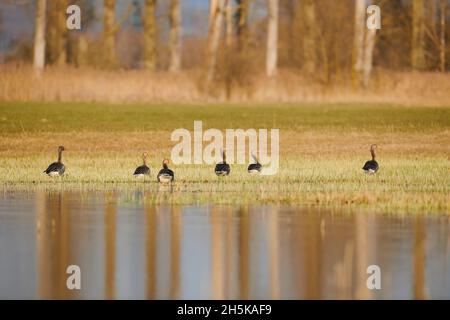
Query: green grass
(323, 148)
(68, 117)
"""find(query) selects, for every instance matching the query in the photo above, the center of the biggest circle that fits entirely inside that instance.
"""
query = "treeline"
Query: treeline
(326, 40)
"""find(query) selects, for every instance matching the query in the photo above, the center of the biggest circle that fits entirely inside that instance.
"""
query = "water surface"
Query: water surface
(127, 248)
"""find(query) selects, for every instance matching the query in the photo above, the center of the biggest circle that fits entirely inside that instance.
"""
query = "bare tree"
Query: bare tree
(57, 32)
(358, 41)
(175, 36)
(215, 29)
(418, 36)
(363, 45)
(310, 37)
(369, 44)
(39, 36)
(109, 32)
(272, 37)
(442, 8)
(150, 35)
(229, 22)
(242, 22)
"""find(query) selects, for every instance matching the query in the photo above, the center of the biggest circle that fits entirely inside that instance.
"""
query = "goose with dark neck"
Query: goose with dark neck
(165, 175)
(254, 168)
(371, 166)
(223, 168)
(143, 170)
(56, 169)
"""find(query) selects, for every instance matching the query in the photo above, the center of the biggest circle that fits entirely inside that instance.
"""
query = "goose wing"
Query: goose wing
(56, 167)
(142, 170)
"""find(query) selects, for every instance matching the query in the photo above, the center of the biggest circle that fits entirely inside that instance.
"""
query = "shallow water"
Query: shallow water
(127, 248)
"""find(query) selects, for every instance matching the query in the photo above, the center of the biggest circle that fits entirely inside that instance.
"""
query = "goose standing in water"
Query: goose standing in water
(56, 169)
(165, 175)
(143, 170)
(222, 169)
(254, 168)
(371, 166)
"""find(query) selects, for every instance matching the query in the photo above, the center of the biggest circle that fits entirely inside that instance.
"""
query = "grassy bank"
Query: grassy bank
(323, 148)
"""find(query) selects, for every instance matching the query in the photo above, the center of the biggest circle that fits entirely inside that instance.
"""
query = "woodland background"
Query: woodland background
(226, 50)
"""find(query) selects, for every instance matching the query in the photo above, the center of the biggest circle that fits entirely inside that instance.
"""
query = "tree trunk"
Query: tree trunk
(212, 10)
(418, 36)
(358, 41)
(215, 30)
(368, 55)
(272, 37)
(310, 39)
(109, 33)
(39, 37)
(229, 22)
(242, 22)
(443, 8)
(150, 35)
(57, 32)
(175, 36)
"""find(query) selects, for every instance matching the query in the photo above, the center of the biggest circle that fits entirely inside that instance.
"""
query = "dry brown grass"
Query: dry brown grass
(69, 84)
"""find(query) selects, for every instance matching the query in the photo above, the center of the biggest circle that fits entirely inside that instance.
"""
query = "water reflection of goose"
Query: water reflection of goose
(143, 170)
(56, 169)
(165, 175)
(371, 166)
(222, 169)
(254, 168)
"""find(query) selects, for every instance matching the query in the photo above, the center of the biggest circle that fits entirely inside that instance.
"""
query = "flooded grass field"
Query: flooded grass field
(310, 231)
(127, 248)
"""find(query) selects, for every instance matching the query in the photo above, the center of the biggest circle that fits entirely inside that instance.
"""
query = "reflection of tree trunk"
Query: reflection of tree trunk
(175, 238)
(244, 254)
(313, 260)
(273, 254)
(43, 242)
(419, 259)
(272, 38)
(418, 36)
(228, 250)
(175, 36)
(39, 36)
(362, 256)
(53, 245)
(110, 247)
(217, 256)
(150, 215)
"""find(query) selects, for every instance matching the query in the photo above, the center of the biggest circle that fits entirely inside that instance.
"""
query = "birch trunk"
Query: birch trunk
(150, 35)
(418, 36)
(175, 36)
(39, 37)
(215, 30)
(358, 41)
(368, 55)
(272, 38)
